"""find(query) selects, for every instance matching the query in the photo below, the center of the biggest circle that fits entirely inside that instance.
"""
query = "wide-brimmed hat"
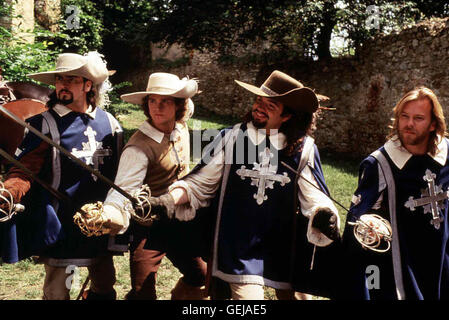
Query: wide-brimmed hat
(166, 84)
(283, 88)
(73, 64)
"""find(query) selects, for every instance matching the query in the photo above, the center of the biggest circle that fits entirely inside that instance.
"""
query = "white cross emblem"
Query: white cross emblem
(432, 199)
(263, 176)
(92, 150)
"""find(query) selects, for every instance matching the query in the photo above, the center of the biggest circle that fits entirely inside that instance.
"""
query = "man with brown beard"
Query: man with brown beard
(401, 182)
(268, 218)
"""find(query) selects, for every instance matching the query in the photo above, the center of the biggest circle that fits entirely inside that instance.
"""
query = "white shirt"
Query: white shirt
(131, 172)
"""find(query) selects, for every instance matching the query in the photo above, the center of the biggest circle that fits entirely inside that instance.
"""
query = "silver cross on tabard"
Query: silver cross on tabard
(263, 176)
(431, 199)
(92, 150)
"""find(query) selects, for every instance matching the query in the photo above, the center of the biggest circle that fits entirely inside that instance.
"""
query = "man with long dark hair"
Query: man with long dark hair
(268, 218)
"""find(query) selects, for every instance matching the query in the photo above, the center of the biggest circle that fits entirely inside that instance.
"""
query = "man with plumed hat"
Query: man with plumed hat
(76, 121)
(156, 155)
(268, 218)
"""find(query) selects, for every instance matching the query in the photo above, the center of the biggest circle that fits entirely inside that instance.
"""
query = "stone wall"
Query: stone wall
(363, 90)
(47, 13)
(26, 12)
(220, 94)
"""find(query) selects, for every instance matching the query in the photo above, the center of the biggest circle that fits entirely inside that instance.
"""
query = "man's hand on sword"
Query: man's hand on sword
(94, 219)
(9, 202)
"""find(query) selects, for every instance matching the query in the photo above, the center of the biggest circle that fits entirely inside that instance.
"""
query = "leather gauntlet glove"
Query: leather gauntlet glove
(326, 222)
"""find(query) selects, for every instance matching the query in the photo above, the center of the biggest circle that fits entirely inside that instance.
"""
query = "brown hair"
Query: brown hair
(181, 107)
(437, 116)
(91, 97)
(296, 128)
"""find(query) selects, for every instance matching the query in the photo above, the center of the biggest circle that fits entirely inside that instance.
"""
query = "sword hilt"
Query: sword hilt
(372, 231)
(9, 209)
(143, 205)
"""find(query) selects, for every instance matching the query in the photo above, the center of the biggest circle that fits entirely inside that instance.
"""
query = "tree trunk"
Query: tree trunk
(324, 36)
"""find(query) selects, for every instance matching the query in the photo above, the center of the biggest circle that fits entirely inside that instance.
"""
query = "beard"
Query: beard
(259, 124)
(65, 98)
(413, 140)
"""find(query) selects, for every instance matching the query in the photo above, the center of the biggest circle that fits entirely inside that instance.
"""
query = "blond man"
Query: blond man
(406, 183)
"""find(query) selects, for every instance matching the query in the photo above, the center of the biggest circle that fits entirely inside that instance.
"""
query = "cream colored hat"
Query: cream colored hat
(166, 84)
(72, 64)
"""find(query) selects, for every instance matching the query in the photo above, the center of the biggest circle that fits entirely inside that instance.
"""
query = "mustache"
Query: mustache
(261, 111)
(409, 130)
(64, 91)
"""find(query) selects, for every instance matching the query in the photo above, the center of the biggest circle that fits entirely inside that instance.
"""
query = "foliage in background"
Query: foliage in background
(117, 106)
(19, 58)
(298, 28)
(291, 28)
(86, 36)
(5, 9)
(304, 27)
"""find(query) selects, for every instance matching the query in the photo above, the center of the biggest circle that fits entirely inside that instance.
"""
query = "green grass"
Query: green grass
(211, 122)
(131, 117)
(24, 280)
(341, 179)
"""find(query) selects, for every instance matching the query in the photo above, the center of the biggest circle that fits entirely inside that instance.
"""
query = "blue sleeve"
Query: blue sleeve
(367, 190)
(354, 258)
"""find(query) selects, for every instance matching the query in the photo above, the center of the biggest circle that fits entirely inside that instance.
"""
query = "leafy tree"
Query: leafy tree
(81, 35)
(299, 28)
(294, 28)
(305, 27)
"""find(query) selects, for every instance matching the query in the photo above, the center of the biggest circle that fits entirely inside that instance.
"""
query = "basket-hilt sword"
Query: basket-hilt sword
(366, 228)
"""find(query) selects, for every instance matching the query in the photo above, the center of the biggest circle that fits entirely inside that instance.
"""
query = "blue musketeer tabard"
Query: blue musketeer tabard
(46, 228)
(419, 268)
(259, 236)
